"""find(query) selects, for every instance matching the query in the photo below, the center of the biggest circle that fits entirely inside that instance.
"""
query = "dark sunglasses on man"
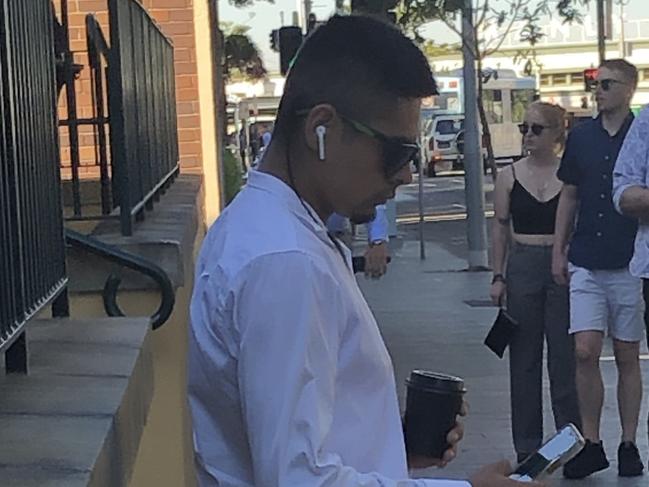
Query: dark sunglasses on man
(536, 128)
(397, 151)
(606, 83)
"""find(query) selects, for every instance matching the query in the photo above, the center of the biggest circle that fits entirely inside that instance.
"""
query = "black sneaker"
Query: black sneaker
(590, 460)
(628, 460)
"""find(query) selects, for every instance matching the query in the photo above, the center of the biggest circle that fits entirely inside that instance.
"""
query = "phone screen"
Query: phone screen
(561, 448)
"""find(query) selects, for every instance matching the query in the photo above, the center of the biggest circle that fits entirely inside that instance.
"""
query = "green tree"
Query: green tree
(494, 21)
(242, 58)
(432, 49)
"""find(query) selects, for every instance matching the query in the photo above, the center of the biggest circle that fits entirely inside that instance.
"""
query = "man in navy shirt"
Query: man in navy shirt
(593, 256)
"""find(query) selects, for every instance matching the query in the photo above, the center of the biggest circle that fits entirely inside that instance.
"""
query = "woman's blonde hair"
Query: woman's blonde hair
(555, 116)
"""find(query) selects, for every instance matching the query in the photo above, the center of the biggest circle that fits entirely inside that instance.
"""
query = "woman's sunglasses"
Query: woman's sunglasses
(536, 128)
(397, 151)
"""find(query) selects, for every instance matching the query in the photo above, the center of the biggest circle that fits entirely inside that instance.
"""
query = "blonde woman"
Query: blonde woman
(526, 199)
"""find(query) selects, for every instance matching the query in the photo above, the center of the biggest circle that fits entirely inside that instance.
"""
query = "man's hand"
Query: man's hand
(560, 268)
(497, 475)
(376, 260)
(453, 439)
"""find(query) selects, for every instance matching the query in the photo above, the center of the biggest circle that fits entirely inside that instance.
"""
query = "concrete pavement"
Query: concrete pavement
(433, 315)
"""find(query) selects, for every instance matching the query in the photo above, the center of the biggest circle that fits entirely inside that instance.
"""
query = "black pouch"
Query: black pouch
(501, 333)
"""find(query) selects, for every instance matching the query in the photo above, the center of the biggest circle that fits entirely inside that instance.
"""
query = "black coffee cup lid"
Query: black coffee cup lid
(437, 381)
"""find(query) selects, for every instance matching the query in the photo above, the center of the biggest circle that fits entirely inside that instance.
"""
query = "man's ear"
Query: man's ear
(321, 126)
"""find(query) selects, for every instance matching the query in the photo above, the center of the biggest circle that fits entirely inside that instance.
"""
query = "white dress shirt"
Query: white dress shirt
(290, 383)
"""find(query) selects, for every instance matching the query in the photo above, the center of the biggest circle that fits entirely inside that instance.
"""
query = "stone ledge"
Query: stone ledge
(77, 418)
(165, 237)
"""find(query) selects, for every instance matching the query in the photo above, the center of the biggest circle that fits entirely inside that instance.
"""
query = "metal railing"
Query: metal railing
(142, 104)
(133, 91)
(32, 260)
(130, 261)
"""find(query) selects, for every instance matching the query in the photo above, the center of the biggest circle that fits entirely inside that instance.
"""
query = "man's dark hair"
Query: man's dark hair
(628, 70)
(359, 64)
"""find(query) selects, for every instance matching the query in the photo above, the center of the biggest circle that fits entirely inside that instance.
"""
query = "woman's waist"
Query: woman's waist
(536, 241)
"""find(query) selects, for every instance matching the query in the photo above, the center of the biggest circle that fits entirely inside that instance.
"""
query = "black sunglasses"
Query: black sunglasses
(606, 83)
(536, 128)
(397, 151)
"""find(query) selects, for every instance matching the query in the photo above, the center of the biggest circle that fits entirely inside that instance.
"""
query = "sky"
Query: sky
(263, 17)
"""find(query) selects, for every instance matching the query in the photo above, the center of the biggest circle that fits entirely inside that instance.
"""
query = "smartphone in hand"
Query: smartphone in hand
(556, 452)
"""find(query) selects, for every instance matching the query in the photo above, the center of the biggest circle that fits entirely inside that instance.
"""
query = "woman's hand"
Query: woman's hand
(498, 293)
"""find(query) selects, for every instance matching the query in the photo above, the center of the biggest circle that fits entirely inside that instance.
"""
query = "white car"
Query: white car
(440, 149)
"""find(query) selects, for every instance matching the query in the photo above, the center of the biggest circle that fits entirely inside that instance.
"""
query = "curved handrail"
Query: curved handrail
(130, 261)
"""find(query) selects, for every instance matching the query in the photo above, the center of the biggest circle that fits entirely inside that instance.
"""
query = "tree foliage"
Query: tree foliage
(242, 57)
(494, 22)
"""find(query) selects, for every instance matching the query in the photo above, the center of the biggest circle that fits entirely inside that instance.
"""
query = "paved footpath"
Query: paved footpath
(424, 317)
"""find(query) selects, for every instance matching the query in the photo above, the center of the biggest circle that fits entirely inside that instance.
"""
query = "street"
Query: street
(444, 202)
(443, 195)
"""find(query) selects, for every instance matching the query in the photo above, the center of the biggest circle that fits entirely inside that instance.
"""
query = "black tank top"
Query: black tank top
(529, 215)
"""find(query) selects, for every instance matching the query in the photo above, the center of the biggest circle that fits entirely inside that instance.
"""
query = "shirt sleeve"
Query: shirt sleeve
(287, 366)
(569, 168)
(377, 229)
(631, 165)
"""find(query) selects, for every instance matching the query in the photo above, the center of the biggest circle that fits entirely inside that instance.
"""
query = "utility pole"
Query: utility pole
(622, 4)
(474, 192)
(601, 31)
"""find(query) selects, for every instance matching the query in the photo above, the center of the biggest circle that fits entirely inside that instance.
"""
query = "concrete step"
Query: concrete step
(77, 418)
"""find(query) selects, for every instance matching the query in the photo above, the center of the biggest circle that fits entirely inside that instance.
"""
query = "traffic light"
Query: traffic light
(290, 40)
(311, 23)
(274, 40)
(590, 76)
(380, 8)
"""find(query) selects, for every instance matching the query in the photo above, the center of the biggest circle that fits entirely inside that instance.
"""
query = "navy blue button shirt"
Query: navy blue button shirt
(603, 239)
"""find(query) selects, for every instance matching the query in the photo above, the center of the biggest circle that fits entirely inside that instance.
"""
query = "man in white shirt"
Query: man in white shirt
(290, 383)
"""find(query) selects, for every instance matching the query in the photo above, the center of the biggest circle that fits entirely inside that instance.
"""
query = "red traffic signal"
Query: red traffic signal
(590, 76)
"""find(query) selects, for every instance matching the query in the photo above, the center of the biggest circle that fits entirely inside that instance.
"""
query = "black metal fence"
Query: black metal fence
(142, 102)
(32, 261)
(139, 159)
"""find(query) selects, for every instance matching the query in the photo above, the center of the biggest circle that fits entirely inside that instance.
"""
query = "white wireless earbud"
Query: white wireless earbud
(320, 132)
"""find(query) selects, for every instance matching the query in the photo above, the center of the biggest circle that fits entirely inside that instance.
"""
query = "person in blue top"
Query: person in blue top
(376, 255)
(631, 196)
(592, 253)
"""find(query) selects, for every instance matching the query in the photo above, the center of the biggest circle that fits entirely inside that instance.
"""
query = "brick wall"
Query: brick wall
(176, 19)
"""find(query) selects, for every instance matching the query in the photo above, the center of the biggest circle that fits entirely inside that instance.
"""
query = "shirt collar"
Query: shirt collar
(625, 125)
(279, 189)
(274, 186)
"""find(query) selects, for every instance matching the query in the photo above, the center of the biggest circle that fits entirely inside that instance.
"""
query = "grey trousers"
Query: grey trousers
(541, 308)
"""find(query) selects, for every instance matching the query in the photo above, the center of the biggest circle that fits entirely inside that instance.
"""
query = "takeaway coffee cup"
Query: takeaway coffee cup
(433, 401)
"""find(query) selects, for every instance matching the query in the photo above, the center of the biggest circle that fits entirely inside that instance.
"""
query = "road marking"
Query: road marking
(451, 217)
(612, 359)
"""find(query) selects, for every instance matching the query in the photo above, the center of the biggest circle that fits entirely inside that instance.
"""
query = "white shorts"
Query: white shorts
(606, 300)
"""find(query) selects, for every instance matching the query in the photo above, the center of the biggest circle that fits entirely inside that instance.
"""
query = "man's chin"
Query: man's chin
(362, 218)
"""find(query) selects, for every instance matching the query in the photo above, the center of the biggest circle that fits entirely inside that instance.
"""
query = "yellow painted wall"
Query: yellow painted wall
(209, 142)
(165, 457)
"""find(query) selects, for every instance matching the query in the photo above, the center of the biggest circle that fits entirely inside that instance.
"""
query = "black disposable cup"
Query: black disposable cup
(433, 401)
